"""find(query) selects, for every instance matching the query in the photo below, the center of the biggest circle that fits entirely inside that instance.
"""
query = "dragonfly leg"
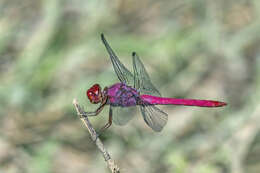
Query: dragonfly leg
(106, 126)
(97, 111)
(109, 123)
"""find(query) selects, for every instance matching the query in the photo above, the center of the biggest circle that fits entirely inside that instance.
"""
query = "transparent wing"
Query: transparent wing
(154, 117)
(123, 74)
(122, 115)
(142, 80)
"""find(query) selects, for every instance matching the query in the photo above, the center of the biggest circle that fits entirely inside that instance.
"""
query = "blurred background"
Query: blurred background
(51, 52)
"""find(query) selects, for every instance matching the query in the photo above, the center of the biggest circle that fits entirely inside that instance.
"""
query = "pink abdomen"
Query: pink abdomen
(186, 102)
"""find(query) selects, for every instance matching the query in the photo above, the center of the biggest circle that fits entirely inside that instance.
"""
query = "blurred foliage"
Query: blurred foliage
(51, 52)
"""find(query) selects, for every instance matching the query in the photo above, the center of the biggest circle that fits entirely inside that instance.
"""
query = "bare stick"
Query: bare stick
(110, 162)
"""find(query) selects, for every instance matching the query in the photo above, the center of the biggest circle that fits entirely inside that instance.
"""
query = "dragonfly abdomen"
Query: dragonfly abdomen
(175, 101)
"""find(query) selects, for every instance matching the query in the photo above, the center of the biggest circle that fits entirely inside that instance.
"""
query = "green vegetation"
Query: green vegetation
(51, 52)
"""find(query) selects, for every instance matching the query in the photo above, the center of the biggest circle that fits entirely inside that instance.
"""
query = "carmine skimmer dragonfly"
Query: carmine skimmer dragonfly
(135, 89)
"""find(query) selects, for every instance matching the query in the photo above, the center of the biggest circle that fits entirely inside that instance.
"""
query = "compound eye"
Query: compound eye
(96, 89)
(94, 94)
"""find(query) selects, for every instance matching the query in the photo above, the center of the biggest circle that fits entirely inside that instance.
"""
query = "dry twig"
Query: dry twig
(110, 162)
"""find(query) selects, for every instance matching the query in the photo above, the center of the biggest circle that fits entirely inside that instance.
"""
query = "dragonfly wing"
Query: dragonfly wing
(122, 115)
(123, 74)
(142, 81)
(154, 117)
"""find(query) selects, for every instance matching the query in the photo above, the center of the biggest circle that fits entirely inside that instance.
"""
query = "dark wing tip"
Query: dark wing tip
(103, 37)
(134, 53)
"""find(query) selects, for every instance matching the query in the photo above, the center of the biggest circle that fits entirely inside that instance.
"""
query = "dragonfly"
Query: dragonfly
(135, 90)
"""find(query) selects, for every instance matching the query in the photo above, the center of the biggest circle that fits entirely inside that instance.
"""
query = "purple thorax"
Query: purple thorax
(122, 95)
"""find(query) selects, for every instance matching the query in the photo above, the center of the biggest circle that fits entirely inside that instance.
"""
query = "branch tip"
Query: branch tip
(111, 164)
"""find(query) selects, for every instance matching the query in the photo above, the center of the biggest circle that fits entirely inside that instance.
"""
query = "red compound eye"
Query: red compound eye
(94, 94)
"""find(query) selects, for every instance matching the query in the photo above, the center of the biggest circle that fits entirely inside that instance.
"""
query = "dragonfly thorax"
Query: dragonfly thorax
(122, 95)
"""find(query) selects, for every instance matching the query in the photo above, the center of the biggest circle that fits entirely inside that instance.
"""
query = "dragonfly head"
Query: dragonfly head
(94, 94)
